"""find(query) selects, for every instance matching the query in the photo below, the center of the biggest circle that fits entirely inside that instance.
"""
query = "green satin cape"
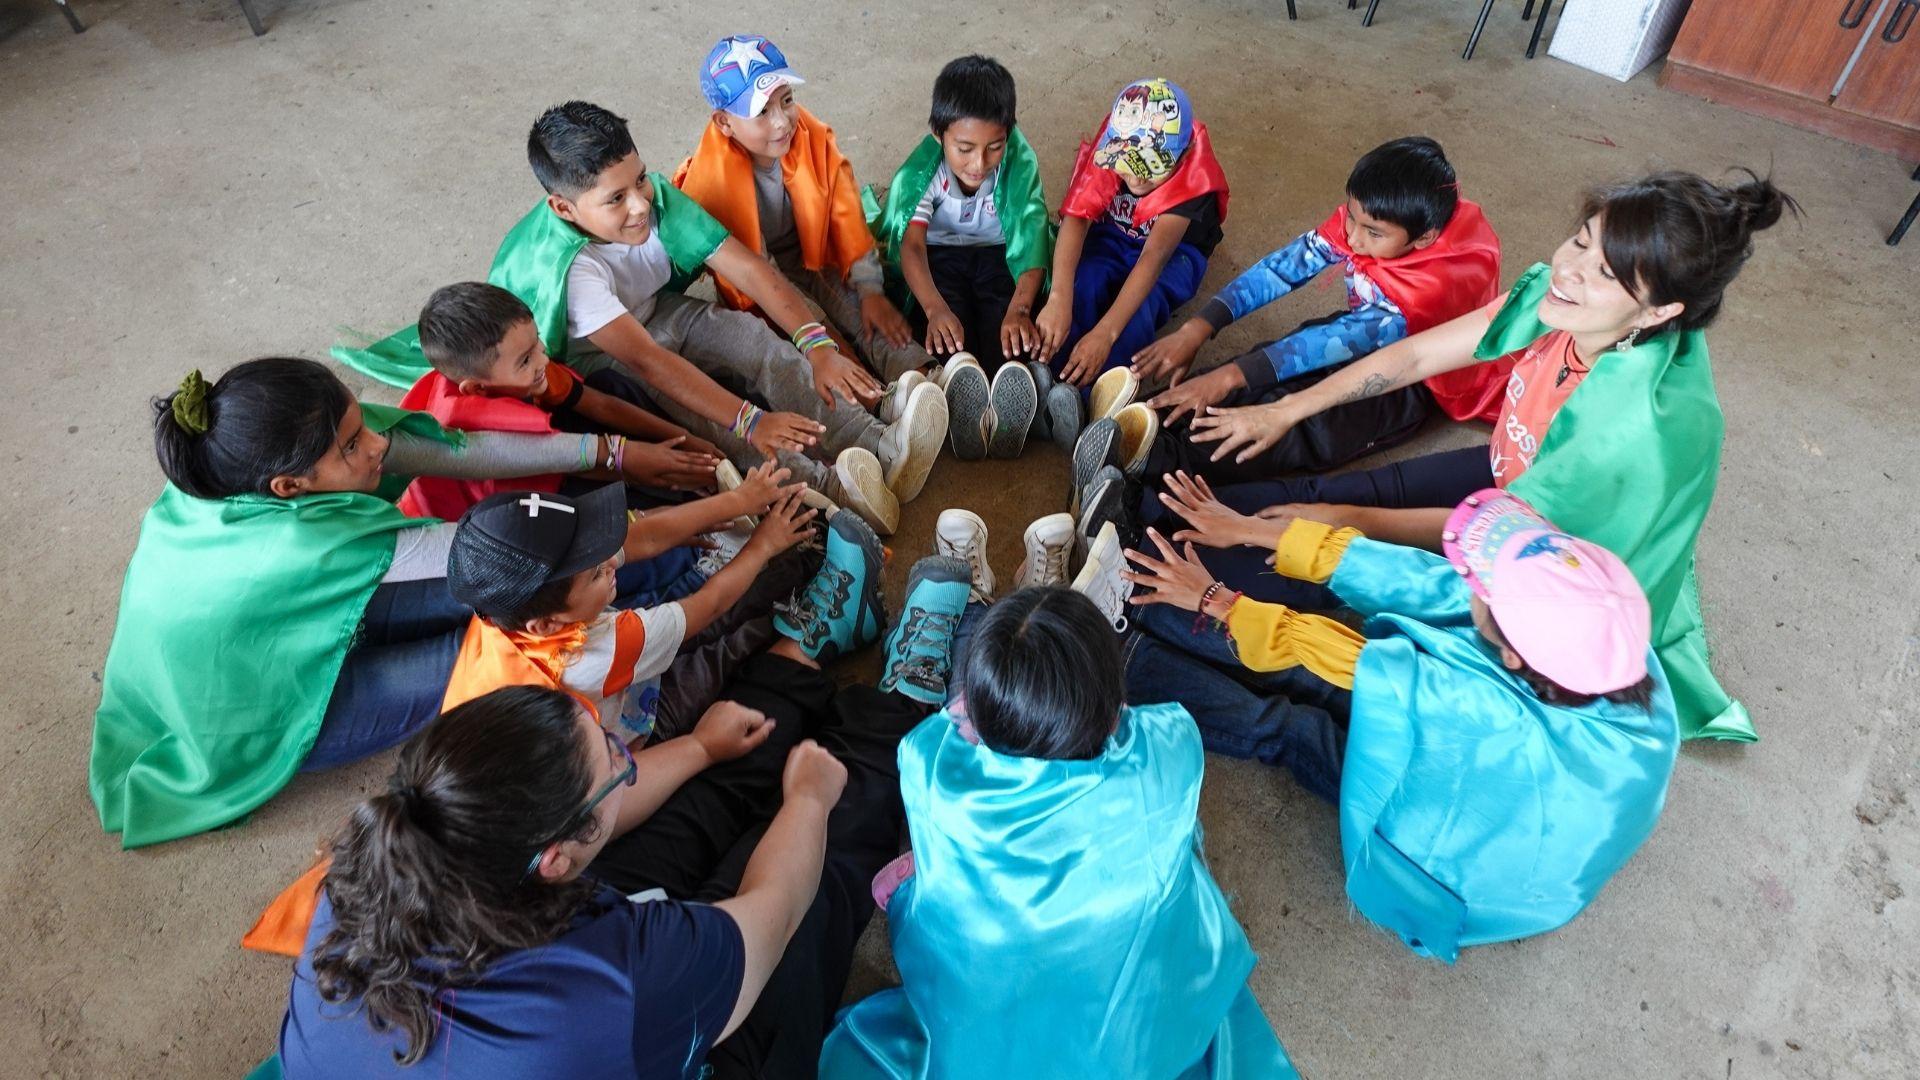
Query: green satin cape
(234, 619)
(1630, 462)
(1018, 196)
(532, 263)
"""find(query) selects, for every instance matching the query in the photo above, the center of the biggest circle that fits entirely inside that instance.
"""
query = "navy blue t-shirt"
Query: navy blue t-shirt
(631, 990)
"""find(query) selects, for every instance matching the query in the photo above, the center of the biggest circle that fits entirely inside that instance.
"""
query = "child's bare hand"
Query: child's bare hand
(879, 316)
(1018, 335)
(944, 333)
(777, 431)
(1171, 356)
(786, 523)
(1175, 577)
(1055, 321)
(763, 484)
(1089, 356)
(1210, 521)
(694, 444)
(1244, 432)
(1188, 397)
(667, 464)
(729, 730)
(834, 374)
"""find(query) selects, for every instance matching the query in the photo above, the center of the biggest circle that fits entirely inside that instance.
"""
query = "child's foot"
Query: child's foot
(1099, 579)
(1049, 543)
(1014, 400)
(726, 477)
(1062, 407)
(1104, 502)
(965, 384)
(1112, 391)
(895, 401)
(960, 534)
(1097, 448)
(920, 649)
(1139, 426)
(863, 489)
(840, 608)
(911, 444)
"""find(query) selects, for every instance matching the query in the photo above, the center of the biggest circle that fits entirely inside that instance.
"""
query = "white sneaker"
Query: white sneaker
(863, 489)
(726, 477)
(1139, 426)
(726, 545)
(1049, 543)
(912, 443)
(960, 534)
(1112, 391)
(1099, 579)
(895, 402)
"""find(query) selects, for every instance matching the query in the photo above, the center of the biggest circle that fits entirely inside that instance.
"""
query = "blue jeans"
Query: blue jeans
(394, 677)
(1292, 718)
(1105, 261)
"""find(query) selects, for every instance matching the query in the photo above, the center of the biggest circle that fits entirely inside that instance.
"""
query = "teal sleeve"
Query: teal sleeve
(1378, 579)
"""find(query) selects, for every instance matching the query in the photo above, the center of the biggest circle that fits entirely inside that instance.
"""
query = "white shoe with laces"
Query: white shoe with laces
(726, 545)
(960, 534)
(894, 405)
(1100, 581)
(1049, 543)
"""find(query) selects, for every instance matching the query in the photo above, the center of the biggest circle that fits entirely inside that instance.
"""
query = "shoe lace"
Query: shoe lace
(926, 639)
(825, 597)
(1054, 560)
(1109, 594)
(975, 559)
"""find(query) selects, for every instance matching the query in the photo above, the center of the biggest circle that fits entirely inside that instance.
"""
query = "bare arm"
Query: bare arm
(1090, 353)
(669, 373)
(787, 523)
(767, 287)
(1056, 318)
(913, 267)
(611, 415)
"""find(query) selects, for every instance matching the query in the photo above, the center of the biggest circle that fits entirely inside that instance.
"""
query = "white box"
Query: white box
(1616, 38)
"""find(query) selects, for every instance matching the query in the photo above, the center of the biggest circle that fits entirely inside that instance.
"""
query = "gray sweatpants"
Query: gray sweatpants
(838, 302)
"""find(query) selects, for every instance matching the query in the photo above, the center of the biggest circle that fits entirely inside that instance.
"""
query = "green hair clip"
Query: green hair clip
(190, 404)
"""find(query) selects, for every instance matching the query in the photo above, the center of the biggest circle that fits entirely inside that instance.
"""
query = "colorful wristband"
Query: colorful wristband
(746, 420)
(810, 337)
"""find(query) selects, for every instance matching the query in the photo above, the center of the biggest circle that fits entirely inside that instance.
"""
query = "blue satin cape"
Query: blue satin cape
(1470, 810)
(1060, 921)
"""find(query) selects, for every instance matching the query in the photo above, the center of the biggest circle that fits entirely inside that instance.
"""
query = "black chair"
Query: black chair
(253, 20)
(1913, 211)
(1479, 24)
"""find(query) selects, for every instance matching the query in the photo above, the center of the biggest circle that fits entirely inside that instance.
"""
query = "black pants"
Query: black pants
(1321, 443)
(976, 284)
(696, 847)
(1441, 479)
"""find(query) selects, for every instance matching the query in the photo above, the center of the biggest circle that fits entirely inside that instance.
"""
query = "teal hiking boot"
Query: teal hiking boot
(920, 649)
(840, 608)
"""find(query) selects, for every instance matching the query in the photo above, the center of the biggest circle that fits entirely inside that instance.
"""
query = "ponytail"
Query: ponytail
(275, 416)
(428, 882)
(1674, 237)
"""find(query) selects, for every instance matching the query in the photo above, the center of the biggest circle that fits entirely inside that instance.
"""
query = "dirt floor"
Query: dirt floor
(187, 195)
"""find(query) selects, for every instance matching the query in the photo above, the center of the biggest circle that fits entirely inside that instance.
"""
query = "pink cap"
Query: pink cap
(1570, 608)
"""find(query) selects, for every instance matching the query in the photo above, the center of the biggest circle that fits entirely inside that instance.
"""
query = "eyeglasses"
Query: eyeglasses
(627, 774)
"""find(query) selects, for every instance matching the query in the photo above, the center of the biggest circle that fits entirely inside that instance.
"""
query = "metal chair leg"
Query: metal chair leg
(1539, 24)
(1479, 24)
(72, 19)
(1913, 211)
(1526, 12)
(1372, 6)
(1292, 15)
(253, 20)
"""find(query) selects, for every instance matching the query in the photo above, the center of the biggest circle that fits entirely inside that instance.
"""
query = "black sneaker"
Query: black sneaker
(1103, 502)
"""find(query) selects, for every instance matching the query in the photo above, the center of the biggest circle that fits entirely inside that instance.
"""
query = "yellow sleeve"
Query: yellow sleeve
(1311, 550)
(1270, 637)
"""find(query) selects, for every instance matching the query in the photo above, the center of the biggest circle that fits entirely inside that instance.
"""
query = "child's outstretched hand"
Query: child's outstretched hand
(1056, 319)
(729, 730)
(1212, 522)
(834, 374)
(1089, 356)
(1175, 578)
(764, 484)
(879, 316)
(1193, 396)
(945, 336)
(1018, 335)
(787, 522)
(1172, 356)
(1244, 432)
(779, 431)
(670, 464)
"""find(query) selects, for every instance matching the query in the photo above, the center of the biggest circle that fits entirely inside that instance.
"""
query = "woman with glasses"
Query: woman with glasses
(465, 927)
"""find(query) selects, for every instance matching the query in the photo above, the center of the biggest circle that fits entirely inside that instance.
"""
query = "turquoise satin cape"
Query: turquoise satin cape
(1630, 463)
(235, 617)
(1470, 810)
(1060, 921)
(532, 263)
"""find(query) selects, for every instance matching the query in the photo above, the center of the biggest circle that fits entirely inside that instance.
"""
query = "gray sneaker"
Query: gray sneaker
(1043, 380)
(1097, 448)
(1062, 406)
(967, 411)
(1014, 401)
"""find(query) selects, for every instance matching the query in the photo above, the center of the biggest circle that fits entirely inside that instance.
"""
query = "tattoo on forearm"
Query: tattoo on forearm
(1371, 385)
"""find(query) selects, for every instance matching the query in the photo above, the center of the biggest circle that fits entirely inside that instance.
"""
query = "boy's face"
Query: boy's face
(1141, 187)
(591, 593)
(1378, 238)
(617, 209)
(519, 366)
(973, 149)
(352, 464)
(769, 135)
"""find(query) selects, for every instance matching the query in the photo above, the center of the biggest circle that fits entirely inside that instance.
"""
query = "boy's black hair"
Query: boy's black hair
(462, 325)
(1043, 676)
(547, 600)
(972, 88)
(275, 416)
(571, 144)
(1409, 182)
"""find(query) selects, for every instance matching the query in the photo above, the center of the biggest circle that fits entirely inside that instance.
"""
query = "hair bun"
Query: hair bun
(1760, 204)
(189, 404)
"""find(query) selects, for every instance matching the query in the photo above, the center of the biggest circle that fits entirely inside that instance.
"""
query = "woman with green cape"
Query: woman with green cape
(1611, 427)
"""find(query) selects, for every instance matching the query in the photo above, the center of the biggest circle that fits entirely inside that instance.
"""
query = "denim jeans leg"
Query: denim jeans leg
(384, 694)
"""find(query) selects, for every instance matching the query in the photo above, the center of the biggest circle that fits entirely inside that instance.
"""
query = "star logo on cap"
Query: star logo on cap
(742, 53)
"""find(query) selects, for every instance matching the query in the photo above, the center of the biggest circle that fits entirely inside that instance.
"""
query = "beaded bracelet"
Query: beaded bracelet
(745, 421)
(810, 337)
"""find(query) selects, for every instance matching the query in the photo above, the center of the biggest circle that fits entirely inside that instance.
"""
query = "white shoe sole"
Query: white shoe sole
(863, 489)
(925, 418)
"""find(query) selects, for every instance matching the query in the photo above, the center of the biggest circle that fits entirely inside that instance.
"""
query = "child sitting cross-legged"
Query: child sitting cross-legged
(1498, 738)
(1055, 916)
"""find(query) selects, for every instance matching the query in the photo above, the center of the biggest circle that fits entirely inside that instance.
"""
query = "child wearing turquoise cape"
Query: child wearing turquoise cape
(1058, 918)
(1498, 736)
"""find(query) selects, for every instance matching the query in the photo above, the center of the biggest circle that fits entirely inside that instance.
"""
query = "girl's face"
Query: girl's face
(352, 464)
(769, 135)
(1584, 297)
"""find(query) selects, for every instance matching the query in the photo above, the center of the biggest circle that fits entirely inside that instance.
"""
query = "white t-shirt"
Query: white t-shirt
(607, 281)
(619, 665)
(956, 219)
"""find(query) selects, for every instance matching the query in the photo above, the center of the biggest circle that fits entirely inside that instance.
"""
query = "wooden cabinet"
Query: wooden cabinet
(1849, 68)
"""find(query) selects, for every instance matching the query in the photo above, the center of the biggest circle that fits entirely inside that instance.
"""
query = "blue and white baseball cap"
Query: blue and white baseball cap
(742, 71)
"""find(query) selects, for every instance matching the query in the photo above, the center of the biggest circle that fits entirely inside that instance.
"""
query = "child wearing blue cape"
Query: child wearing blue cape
(1055, 916)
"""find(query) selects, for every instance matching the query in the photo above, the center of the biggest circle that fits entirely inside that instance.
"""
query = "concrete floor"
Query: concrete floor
(185, 195)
